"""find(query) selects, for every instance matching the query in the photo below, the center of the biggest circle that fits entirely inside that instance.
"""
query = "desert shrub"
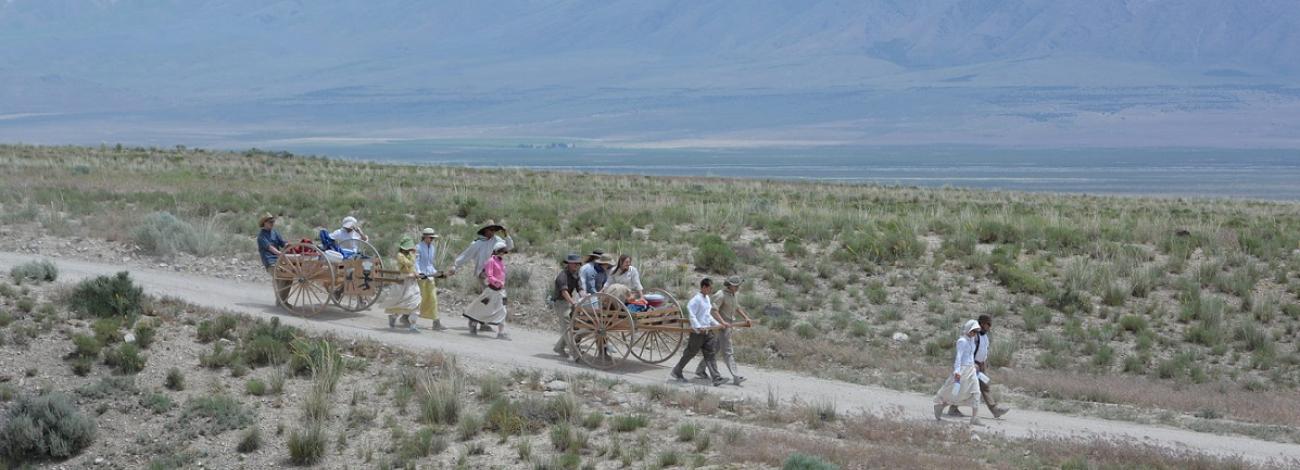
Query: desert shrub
(1251, 336)
(255, 387)
(175, 380)
(420, 444)
(107, 296)
(156, 402)
(876, 293)
(668, 458)
(439, 401)
(34, 271)
(565, 439)
(215, 414)
(629, 423)
(1018, 280)
(1133, 323)
(217, 328)
(503, 417)
(44, 427)
(806, 462)
(107, 330)
(144, 333)
(109, 387)
(250, 442)
(85, 346)
(320, 358)
(468, 427)
(163, 234)
(1035, 316)
(125, 359)
(712, 254)
(307, 446)
(990, 231)
(805, 330)
(794, 248)
(593, 420)
(686, 432)
(891, 243)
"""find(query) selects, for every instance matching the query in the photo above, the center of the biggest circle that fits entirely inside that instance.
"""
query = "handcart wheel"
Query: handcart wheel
(310, 277)
(601, 331)
(661, 335)
(357, 288)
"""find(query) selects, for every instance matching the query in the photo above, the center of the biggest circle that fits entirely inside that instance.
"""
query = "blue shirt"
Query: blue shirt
(593, 277)
(424, 255)
(265, 240)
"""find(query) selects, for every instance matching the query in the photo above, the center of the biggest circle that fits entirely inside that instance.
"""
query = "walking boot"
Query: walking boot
(955, 413)
(938, 412)
(392, 321)
(473, 328)
(437, 326)
(998, 411)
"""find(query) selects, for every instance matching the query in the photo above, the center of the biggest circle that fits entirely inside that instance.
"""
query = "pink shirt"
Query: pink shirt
(495, 270)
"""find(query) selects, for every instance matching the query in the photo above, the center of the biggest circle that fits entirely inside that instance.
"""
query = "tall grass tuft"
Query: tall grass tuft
(34, 271)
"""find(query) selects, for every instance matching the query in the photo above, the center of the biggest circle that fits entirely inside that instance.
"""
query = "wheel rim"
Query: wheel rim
(654, 346)
(356, 272)
(601, 331)
(309, 275)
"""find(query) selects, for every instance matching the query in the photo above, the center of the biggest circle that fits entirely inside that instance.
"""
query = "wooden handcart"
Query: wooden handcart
(604, 332)
(315, 280)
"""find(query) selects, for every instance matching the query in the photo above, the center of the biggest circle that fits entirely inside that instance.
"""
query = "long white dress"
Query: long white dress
(402, 299)
(966, 392)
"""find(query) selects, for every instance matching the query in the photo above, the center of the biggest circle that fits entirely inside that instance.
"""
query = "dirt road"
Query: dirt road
(532, 349)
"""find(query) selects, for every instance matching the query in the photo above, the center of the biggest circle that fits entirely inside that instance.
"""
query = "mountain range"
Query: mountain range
(237, 73)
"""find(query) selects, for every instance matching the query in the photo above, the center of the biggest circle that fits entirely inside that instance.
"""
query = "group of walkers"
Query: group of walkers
(416, 263)
(710, 313)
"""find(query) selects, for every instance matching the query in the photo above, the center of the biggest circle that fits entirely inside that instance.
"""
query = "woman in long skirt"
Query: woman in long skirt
(962, 387)
(490, 307)
(406, 301)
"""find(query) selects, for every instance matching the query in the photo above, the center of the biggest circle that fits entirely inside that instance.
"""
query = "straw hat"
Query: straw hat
(407, 244)
(490, 225)
(605, 259)
(734, 281)
(429, 231)
(265, 217)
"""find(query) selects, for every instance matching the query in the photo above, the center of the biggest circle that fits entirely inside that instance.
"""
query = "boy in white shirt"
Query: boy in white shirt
(702, 335)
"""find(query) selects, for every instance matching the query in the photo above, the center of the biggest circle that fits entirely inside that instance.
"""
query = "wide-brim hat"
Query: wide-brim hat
(595, 254)
(605, 259)
(265, 217)
(349, 222)
(406, 244)
(734, 281)
(428, 231)
(573, 258)
(490, 225)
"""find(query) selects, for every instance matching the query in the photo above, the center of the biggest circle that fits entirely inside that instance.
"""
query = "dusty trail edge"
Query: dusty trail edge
(532, 349)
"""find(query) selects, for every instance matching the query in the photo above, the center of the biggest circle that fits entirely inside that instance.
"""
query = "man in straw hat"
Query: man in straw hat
(726, 309)
(425, 255)
(480, 251)
(595, 273)
(961, 388)
(564, 297)
(270, 246)
(702, 334)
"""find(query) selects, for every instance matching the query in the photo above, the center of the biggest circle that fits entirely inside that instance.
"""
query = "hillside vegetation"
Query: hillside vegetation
(1178, 311)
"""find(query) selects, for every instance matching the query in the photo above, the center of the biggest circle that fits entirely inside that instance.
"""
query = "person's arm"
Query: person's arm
(636, 280)
(716, 311)
(463, 257)
(510, 241)
(956, 362)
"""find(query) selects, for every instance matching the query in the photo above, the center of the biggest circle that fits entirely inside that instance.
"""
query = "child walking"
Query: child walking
(490, 307)
(407, 303)
(962, 387)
